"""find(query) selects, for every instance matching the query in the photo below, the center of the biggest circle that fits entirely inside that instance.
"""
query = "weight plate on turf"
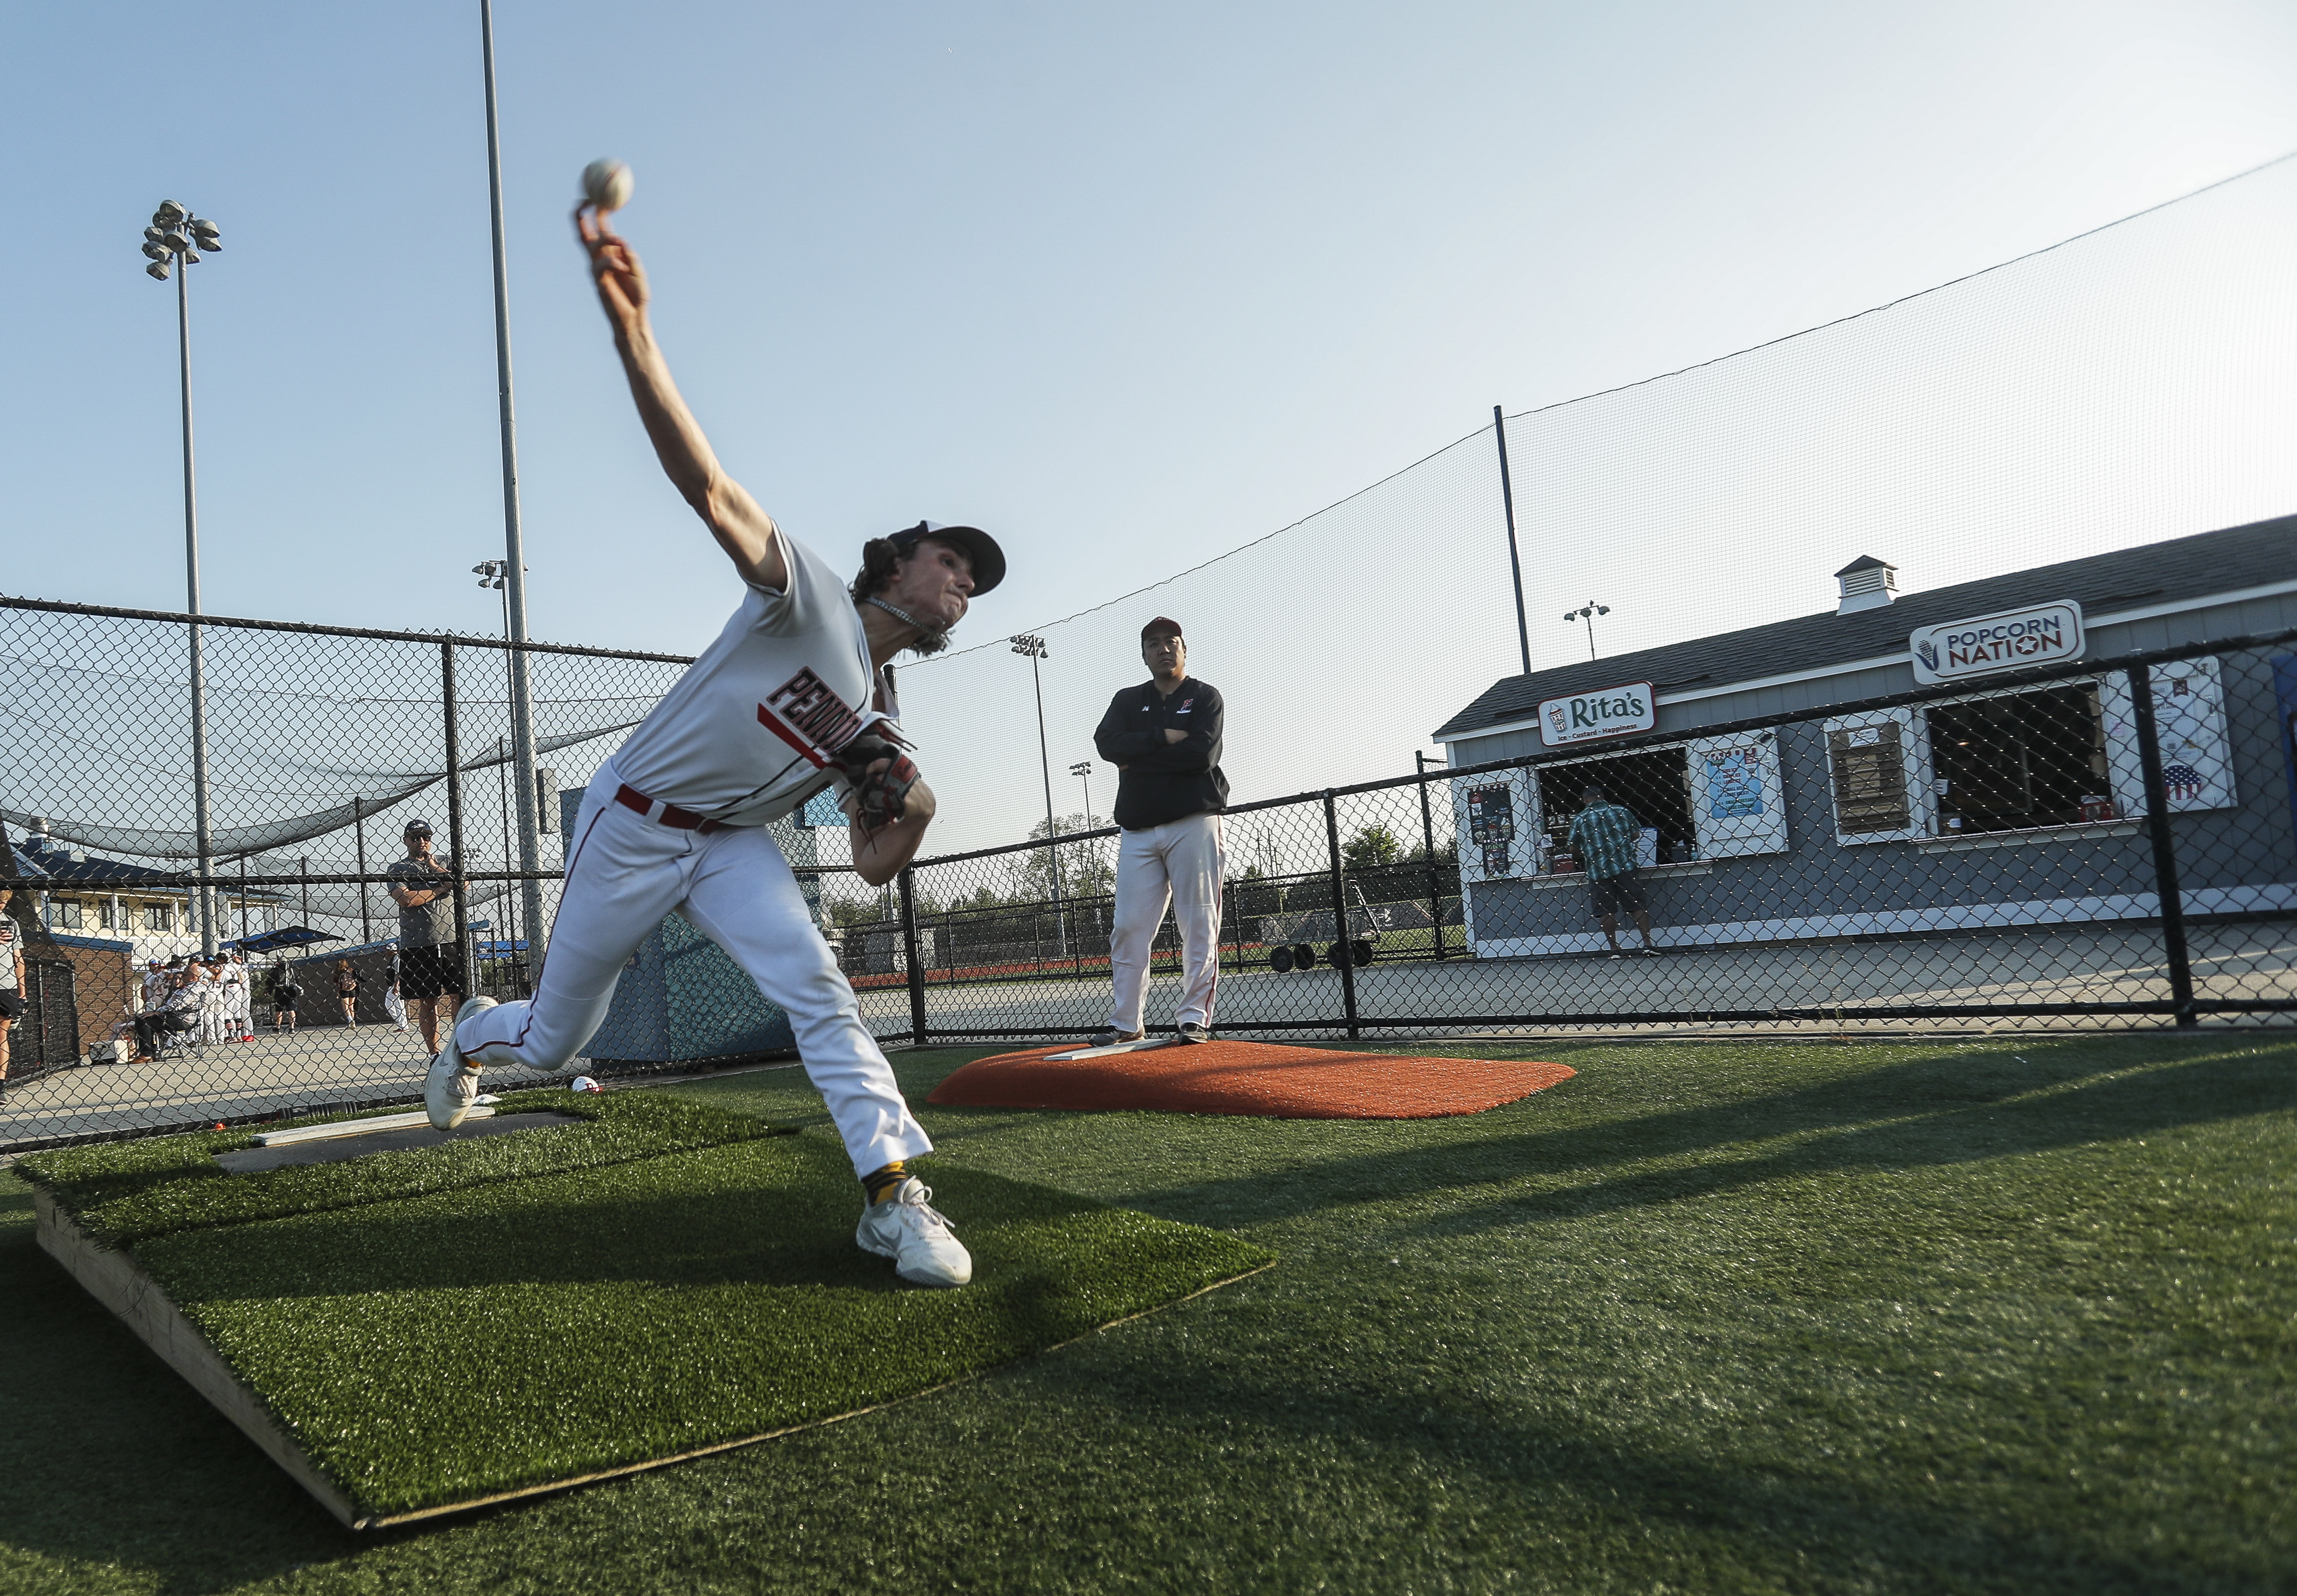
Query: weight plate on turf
(1361, 948)
(1280, 961)
(1337, 955)
(1304, 957)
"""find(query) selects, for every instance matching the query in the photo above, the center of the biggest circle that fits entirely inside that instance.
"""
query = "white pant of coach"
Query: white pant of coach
(1179, 863)
(625, 873)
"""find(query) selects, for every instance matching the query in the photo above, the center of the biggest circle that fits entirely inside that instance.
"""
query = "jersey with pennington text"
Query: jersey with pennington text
(747, 734)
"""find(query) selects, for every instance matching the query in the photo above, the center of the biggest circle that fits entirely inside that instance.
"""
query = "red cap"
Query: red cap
(1162, 623)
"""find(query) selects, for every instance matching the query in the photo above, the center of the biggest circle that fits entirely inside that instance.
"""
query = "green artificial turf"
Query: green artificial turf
(123, 1192)
(665, 1278)
(2018, 1316)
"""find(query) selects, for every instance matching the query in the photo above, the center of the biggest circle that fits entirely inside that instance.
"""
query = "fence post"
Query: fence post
(1232, 907)
(1515, 561)
(2165, 853)
(909, 958)
(359, 828)
(1346, 955)
(454, 816)
(1427, 852)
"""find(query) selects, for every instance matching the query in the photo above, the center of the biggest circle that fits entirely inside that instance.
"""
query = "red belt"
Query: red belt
(671, 816)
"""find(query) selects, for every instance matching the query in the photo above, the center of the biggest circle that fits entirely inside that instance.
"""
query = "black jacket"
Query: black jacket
(1163, 780)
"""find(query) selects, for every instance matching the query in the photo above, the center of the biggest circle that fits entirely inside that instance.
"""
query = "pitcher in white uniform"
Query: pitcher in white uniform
(235, 1010)
(676, 819)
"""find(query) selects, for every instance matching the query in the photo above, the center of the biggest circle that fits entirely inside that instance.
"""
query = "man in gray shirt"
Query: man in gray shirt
(430, 963)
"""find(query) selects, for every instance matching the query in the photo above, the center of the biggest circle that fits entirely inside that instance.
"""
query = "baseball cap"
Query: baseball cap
(416, 829)
(1162, 623)
(979, 546)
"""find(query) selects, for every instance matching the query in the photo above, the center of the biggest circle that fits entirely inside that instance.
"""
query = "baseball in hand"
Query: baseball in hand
(606, 184)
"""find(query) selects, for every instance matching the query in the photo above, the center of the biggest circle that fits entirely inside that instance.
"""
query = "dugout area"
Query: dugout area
(419, 1331)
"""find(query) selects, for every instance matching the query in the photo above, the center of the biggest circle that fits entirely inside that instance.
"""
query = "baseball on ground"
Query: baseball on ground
(606, 184)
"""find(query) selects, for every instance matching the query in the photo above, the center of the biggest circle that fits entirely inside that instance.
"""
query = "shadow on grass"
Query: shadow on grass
(1941, 1108)
(2116, 1107)
(1829, 1532)
(136, 1470)
(117, 1461)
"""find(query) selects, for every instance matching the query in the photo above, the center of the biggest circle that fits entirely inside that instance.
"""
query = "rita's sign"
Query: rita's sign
(1606, 712)
(2044, 635)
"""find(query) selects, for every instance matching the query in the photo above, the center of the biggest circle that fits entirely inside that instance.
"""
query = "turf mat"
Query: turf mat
(461, 1344)
(121, 1193)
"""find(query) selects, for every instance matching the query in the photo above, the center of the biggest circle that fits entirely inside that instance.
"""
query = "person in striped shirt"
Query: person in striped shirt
(1603, 839)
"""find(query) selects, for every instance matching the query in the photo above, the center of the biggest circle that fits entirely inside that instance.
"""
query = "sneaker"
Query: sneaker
(1189, 1031)
(452, 1085)
(1652, 951)
(1112, 1037)
(923, 1245)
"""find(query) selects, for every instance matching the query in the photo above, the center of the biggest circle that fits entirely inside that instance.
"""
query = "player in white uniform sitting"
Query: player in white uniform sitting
(676, 819)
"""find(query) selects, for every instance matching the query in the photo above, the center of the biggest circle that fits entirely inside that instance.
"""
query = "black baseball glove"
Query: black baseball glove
(884, 794)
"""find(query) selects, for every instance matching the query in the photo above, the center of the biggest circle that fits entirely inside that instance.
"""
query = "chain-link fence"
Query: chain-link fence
(205, 824)
(2107, 843)
(1943, 857)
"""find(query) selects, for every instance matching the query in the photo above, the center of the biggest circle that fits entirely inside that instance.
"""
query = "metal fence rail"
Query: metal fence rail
(2107, 844)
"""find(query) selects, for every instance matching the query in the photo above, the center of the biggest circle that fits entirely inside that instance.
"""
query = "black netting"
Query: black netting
(1977, 858)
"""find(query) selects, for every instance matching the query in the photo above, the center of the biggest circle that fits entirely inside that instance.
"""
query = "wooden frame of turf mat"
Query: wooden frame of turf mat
(95, 1248)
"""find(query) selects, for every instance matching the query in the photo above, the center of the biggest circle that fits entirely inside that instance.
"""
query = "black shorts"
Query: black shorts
(426, 972)
(1616, 895)
(11, 1005)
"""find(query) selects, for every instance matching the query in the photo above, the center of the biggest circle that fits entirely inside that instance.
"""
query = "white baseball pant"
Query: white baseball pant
(1180, 864)
(627, 872)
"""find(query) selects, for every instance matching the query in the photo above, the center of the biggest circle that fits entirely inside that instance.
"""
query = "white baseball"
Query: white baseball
(606, 184)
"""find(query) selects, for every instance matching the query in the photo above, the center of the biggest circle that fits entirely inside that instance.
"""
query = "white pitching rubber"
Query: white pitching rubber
(1142, 1046)
(357, 1127)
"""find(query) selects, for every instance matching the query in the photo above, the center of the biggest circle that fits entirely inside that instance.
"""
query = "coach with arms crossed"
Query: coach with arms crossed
(1164, 736)
(429, 961)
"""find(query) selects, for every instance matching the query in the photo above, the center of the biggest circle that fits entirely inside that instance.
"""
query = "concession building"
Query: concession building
(1993, 804)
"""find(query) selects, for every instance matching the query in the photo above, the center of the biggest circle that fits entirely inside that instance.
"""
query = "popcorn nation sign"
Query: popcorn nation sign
(2042, 635)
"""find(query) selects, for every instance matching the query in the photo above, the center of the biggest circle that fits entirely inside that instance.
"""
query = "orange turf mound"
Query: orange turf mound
(1249, 1077)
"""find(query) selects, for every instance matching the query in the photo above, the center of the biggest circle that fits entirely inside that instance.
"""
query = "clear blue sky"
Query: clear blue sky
(1127, 284)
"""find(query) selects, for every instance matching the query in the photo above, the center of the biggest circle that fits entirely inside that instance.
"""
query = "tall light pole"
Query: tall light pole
(174, 242)
(1033, 646)
(1083, 771)
(1588, 613)
(496, 574)
(522, 700)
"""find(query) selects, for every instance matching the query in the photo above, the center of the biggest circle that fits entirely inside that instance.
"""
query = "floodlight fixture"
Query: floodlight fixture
(169, 213)
(158, 269)
(1588, 613)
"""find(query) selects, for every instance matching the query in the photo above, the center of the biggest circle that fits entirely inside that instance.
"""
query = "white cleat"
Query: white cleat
(452, 1085)
(923, 1245)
